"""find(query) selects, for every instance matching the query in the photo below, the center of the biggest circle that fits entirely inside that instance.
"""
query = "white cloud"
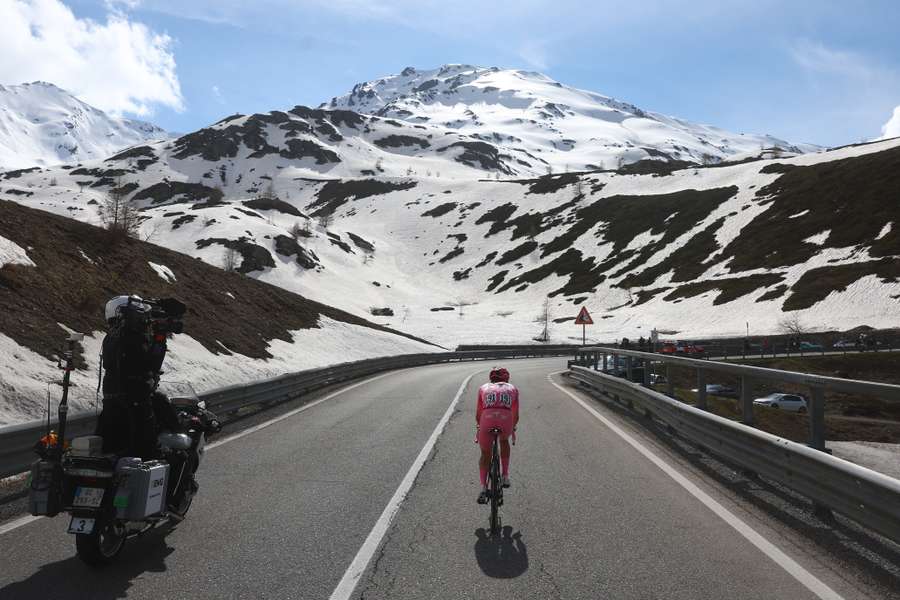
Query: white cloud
(852, 86)
(892, 127)
(535, 55)
(119, 66)
(818, 58)
(217, 94)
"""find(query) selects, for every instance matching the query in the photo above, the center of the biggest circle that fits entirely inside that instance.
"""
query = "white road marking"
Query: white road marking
(810, 581)
(16, 523)
(355, 571)
(22, 521)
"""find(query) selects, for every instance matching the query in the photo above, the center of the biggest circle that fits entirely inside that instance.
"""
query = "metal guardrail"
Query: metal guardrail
(17, 441)
(869, 498)
(748, 375)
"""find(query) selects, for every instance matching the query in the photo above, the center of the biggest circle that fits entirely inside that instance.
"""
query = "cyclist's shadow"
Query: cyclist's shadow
(504, 556)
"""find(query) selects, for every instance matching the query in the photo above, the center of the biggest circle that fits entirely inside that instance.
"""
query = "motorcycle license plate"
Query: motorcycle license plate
(81, 525)
(88, 497)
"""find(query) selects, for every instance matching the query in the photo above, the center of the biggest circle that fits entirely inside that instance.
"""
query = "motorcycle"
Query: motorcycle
(112, 498)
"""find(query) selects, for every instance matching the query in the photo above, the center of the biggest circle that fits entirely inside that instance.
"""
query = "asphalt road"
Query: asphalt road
(284, 511)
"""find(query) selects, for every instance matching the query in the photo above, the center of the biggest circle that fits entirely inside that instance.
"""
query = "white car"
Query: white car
(845, 344)
(789, 402)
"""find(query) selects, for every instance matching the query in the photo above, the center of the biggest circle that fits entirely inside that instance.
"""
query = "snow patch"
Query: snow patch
(799, 214)
(164, 272)
(86, 257)
(885, 230)
(819, 238)
(13, 254)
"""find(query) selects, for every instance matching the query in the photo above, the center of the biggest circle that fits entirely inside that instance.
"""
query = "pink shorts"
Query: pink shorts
(494, 417)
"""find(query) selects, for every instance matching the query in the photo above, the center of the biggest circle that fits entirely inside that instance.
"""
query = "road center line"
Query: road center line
(810, 581)
(355, 571)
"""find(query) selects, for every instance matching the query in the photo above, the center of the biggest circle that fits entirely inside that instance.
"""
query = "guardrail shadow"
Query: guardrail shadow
(71, 579)
(501, 557)
(868, 551)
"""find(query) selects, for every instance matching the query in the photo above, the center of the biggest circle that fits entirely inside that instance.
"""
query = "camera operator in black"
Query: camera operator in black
(133, 354)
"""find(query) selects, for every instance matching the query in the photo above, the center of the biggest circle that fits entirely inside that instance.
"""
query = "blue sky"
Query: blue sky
(825, 72)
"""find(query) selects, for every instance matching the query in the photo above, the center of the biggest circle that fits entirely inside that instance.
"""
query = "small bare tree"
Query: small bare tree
(325, 220)
(120, 218)
(544, 318)
(229, 261)
(790, 324)
(299, 230)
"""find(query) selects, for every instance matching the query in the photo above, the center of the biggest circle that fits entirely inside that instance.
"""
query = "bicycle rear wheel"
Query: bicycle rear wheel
(496, 489)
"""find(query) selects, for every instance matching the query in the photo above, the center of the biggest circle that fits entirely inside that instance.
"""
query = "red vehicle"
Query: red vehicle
(681, 348)
(668, 348)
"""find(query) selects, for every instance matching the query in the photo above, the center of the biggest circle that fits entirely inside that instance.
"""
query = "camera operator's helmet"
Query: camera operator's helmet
(114, 306)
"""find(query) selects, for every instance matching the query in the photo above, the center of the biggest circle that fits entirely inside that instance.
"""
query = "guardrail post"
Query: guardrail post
(628, 367)
(816, 412)
(605, 356)
(646, 373)
(746, 401)
(670, 385)
(701, 389)
(596, 359)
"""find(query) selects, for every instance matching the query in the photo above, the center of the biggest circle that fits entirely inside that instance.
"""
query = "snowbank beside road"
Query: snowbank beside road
(25, 375)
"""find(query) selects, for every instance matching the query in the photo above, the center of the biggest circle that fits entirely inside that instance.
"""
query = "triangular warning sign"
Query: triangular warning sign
(584, 318)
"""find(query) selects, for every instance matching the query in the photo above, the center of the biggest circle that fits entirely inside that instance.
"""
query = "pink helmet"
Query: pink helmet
(499, 374)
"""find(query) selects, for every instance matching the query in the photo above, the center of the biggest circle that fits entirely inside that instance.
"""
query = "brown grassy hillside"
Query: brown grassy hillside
(79, 267)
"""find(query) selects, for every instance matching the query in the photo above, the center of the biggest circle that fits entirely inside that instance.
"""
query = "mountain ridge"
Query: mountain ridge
(42, 124)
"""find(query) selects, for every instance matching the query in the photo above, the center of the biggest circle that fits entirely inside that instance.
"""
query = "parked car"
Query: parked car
(810, 347)
(656, 378)
(668, 348)
(689, 349)
(717, 389)
(844, 345)
(789, 402)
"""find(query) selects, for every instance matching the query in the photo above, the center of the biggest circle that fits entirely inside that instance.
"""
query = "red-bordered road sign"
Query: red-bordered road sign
(584, 318)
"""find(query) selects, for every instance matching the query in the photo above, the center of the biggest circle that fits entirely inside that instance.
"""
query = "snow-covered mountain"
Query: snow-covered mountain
(542, 124)
(459, 239)
(702, 251)
(43, 125)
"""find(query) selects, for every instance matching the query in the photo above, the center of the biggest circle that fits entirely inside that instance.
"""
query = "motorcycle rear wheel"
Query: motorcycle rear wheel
(102, 546)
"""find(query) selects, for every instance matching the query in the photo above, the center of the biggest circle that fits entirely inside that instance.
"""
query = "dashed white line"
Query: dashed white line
(810, 581)
(355, 571)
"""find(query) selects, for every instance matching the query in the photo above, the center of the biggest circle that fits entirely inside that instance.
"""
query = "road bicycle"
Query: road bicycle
(495, 484)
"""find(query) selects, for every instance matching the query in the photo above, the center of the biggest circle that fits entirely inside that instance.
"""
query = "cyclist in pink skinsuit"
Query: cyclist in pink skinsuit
(498, 406)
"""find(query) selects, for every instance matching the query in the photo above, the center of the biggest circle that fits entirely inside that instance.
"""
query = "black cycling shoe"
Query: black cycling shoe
(483, 497)
(505, 482)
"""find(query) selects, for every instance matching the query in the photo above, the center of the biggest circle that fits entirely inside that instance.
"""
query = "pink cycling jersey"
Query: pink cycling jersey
(498, 406)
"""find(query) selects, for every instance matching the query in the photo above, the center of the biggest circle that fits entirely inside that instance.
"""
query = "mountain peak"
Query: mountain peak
(541, 123)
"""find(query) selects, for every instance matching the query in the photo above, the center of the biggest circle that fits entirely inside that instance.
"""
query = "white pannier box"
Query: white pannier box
(142, 489)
